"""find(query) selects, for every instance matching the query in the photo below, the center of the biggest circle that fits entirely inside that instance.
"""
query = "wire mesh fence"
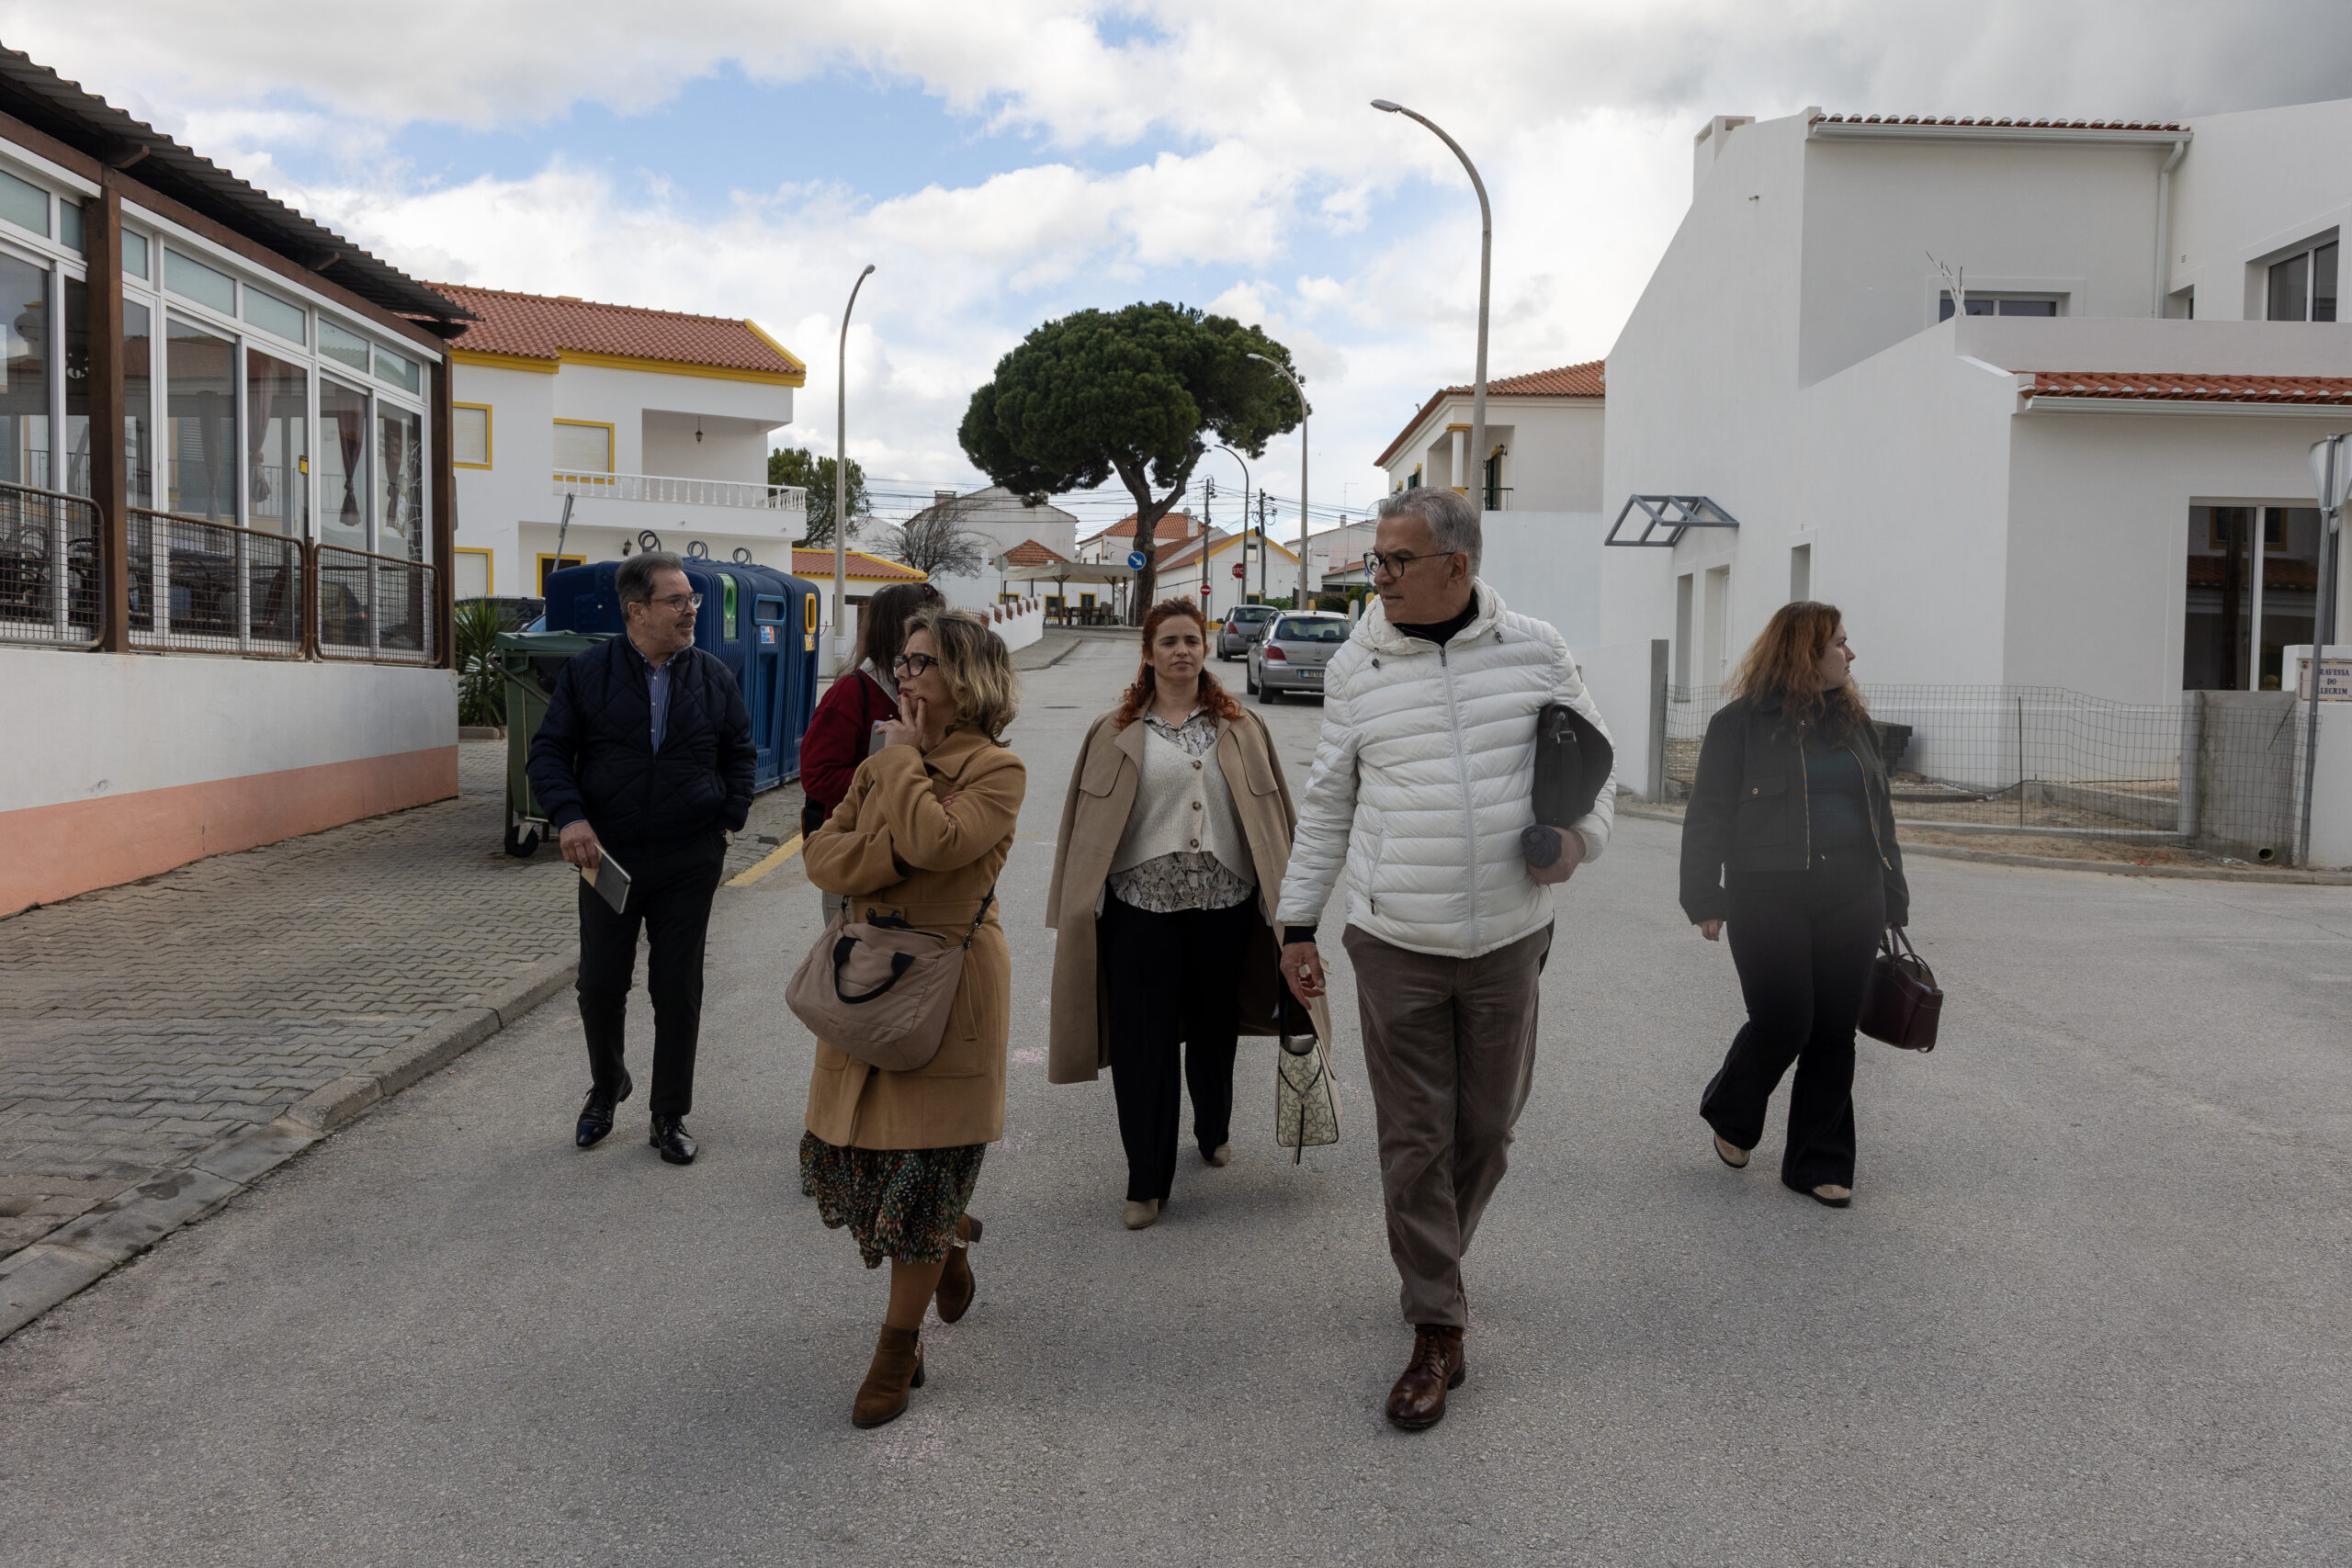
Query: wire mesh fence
(374, 607)
(50, 578)
(199, 586)
(2218, 770)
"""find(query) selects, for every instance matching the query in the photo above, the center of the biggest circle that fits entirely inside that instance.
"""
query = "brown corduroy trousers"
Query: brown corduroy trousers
(1450, 1046)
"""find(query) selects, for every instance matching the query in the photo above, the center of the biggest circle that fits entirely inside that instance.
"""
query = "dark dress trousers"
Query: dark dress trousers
(663, 815)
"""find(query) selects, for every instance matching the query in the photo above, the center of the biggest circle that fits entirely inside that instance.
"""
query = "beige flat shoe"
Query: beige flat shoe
(1140, 1212)
(1830, 1193)
(1731, 1154)
(1220, 1155)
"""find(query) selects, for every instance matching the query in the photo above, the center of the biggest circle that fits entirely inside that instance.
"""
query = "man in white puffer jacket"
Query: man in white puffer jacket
(1423, 784)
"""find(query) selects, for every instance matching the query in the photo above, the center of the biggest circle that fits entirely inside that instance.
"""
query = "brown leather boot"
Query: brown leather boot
(1418, 1401)
(956, 1285)
(897, 1366)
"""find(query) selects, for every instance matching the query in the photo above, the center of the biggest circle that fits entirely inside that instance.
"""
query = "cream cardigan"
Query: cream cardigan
(1181, 805)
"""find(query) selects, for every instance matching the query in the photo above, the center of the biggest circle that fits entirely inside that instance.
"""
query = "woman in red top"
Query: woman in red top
(841, 731)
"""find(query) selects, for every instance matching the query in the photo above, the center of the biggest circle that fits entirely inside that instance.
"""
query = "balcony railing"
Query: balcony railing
(670, 491)
(50, 586)
(372, 608)
(197, 586)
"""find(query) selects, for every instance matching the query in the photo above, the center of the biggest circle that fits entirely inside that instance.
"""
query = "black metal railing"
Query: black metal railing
(373, 607)
(50, 582)
(199, 586)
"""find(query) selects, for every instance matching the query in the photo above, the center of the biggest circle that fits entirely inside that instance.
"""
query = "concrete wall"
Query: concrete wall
(2254, 184)
(127, 765)
(1548, 565)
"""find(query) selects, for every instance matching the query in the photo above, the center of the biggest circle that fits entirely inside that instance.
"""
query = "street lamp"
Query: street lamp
(1300, 602)
(841, 482)
(1485, 272)
(2332, 476)
(1245, 523)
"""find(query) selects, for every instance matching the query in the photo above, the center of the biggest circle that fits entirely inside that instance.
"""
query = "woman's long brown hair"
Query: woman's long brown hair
(1783, 665)
(1213, 696)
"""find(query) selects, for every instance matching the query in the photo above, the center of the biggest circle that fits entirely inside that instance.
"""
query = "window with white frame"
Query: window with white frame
(2001, 305)
(2302, 287)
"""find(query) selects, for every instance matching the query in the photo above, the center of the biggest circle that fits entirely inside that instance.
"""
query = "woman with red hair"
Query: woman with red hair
(1172, 851)
(1789, 840)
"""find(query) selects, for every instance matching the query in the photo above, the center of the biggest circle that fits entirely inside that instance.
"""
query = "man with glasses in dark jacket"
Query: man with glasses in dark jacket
(645, 752)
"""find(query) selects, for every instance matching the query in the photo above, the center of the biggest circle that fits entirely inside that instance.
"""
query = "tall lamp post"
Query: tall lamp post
(1245, 523)
(2332, 476)
(1485, 272)
(840, 482)
(1298, 603)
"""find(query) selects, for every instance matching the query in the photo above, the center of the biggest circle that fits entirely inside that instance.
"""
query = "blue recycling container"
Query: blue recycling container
(760, 620)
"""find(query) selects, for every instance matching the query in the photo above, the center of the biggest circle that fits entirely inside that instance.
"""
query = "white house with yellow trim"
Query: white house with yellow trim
(653, 422)
(1202, 570)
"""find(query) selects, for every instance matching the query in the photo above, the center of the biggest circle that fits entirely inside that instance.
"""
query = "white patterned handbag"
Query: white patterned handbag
(1307, 1101)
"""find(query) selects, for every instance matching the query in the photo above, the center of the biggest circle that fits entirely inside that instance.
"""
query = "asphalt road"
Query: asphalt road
(2089, 1304)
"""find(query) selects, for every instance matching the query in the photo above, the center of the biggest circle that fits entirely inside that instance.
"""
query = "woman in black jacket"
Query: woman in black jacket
(1789, 840)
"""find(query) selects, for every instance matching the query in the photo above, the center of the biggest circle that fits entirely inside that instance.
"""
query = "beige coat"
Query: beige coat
(1101, 795)
(896, 850)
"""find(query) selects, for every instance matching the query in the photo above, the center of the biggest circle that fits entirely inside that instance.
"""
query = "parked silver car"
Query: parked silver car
(1243, 625)
(1290, 656)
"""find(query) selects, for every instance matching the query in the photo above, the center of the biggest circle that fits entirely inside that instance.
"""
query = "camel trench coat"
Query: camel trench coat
(1095, 818)
(896, 850)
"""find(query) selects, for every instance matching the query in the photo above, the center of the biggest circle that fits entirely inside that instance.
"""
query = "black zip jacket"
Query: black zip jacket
(1749, 810)
(593, 757)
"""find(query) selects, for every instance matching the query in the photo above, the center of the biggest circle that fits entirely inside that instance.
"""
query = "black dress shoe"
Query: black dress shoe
(670, 1135)
(596, 1113)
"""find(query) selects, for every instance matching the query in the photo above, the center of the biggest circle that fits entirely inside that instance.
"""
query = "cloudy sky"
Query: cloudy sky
(1006, 162)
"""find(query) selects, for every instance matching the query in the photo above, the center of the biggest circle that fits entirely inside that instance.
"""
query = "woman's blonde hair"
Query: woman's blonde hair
(978, 669)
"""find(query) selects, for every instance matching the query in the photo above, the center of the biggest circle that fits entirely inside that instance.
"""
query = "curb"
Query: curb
(2103, 868)
(76, 1256)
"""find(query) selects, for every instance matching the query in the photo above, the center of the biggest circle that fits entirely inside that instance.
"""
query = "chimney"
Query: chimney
(942, 497)
(1708, 145)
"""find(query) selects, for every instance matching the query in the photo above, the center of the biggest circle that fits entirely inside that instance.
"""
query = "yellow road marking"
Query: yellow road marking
(776, 857)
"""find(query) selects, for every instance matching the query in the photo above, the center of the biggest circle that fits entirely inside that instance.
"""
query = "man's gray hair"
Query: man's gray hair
(1453, 521)
(634, 582)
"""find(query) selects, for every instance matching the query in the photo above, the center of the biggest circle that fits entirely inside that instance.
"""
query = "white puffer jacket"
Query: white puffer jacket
(1425, 775)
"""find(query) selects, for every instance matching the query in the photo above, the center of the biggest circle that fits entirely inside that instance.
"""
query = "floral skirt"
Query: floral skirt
(899, 1204)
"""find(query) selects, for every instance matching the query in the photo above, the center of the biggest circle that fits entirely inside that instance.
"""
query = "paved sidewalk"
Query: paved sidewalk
(138, 1024)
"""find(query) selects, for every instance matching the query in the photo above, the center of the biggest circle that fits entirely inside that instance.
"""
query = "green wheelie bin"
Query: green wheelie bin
(531, 662)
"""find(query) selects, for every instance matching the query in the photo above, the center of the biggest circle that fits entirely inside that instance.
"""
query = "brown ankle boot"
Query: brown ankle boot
(956, 1285)
(897, 1366)
(1419, 1399)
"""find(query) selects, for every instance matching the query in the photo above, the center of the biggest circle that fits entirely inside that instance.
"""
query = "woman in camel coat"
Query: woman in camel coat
(920, 837)
(1175, 705)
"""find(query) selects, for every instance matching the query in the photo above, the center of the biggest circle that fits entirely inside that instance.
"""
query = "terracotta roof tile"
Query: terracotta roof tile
(1029, 552)
(1173, 527)
(1988, 122)
(1586, 381)
(2144, 386)
(535, 326)
(861, 566)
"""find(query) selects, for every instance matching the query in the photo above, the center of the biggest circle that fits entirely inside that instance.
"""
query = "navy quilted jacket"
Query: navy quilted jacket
(592, 756)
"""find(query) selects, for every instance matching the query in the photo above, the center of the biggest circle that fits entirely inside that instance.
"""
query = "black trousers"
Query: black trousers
(1803, 942)
(1171, 978)
(669, 896)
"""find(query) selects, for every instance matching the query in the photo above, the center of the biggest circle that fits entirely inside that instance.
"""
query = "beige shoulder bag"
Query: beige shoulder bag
(881, 992)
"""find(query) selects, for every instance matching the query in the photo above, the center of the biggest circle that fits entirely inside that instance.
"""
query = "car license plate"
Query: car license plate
(1310, 674)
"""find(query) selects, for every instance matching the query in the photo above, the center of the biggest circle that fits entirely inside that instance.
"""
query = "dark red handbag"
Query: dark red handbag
(1902, 1002)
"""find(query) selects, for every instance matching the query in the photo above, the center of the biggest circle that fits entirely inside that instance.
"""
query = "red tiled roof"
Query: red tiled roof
(1586, 381)
(861, 566)
(1987, 122)
(2146, 385)
(1029, 552)
(1173, 526)
(534, 326)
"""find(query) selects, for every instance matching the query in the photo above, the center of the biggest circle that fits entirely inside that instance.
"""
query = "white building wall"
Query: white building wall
(2254, 184)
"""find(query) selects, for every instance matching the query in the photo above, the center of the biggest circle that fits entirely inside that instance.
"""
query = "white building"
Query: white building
(1003, 522)
(2054, 487)
(652, 421)
(1118, 541)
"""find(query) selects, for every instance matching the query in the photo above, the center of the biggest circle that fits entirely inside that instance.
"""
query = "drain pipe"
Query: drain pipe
(2164, 221)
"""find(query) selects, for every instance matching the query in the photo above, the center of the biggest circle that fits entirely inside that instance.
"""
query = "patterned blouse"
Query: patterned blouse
(1192, 879)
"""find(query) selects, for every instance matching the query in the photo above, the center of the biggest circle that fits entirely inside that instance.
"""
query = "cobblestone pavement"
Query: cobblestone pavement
(138, 1024)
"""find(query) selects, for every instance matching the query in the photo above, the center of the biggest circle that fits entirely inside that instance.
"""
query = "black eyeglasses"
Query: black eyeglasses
(1394, 565)
(681, 601)
(911, 664)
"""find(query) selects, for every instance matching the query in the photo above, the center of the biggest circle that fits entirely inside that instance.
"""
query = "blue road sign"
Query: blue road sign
(1135, 559)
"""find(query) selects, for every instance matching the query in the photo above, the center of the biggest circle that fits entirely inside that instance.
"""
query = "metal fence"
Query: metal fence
(2217, 770)
(373, 607)
(50, 581)
(204, 587)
